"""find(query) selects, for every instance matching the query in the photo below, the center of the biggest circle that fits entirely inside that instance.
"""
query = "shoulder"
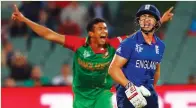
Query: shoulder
(81, 40)
(130, 40)
(160, 42)
(74, 42)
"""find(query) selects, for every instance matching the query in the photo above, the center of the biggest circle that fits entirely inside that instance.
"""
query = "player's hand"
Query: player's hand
(135, 96)
(17, 15)
(143, 90)
(167, 16)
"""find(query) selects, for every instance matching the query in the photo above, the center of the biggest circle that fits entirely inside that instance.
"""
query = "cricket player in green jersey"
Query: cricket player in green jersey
(91, 82)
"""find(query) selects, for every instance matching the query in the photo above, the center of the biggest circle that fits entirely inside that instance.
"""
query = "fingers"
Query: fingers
(170, 9)
(145, 92)
(14, 15)
(171, 16)
(16, 9)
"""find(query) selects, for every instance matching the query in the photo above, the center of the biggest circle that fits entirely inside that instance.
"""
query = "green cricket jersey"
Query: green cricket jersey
(90, 68)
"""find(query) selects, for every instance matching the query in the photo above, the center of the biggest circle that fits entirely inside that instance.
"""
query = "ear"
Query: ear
(138, 20)
(90, 33)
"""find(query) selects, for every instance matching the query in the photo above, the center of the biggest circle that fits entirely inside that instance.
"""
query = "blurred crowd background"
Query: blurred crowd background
(29, 61)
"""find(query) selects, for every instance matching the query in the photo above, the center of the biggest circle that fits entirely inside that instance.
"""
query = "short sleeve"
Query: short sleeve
(125, 49)
(115, 42)
(162, 50)
(73, 42)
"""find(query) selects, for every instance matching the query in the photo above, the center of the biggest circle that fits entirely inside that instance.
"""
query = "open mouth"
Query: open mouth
(147, 25)
(103, 37)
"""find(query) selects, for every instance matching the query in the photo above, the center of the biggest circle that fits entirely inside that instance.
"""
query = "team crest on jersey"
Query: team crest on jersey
(157, 49)
(86, 53)
(138, 48)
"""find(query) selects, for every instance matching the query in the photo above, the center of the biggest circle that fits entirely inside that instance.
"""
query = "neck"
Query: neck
(148, 37)
(94, 44)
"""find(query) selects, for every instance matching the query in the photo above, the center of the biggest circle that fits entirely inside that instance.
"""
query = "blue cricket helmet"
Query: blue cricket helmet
(149, 9)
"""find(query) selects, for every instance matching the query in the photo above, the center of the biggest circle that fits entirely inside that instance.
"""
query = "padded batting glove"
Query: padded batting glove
(135, 95)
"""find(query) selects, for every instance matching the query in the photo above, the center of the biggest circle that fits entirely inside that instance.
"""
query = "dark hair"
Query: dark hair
(93, 22)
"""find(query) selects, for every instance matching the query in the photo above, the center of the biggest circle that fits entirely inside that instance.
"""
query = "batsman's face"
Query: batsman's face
(147, 21)
(100, 33)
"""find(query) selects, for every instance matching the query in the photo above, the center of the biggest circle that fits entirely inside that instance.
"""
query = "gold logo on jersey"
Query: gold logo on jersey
(93, 66)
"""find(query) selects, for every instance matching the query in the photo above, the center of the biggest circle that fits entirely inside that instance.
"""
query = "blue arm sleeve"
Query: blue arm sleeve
(125, 49)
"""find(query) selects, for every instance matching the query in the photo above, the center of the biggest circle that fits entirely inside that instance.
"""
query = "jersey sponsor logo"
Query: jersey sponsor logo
(92, 65)
(138, 48)
(146, 64)
(157, 49)
(86, 53)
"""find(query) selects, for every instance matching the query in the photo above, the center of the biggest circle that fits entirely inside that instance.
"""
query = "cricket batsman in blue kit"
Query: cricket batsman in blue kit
(136, 64)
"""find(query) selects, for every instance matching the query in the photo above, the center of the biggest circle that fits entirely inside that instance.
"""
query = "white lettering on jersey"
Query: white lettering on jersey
(157, 49)
(146, 64)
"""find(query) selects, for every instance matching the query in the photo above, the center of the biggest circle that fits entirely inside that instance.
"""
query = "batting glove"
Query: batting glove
(143, 90)
(135, 95)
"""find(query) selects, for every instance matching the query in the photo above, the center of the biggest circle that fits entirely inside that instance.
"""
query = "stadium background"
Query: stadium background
(35, 71)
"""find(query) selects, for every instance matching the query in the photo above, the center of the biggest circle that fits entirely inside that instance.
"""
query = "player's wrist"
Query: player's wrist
(134, 96)
(25, 19)
(129, 84)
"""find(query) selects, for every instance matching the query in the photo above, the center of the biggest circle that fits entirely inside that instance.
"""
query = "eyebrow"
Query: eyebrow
(102, 27)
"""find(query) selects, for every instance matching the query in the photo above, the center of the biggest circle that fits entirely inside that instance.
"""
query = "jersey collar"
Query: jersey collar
(141, 38)
(99, 51)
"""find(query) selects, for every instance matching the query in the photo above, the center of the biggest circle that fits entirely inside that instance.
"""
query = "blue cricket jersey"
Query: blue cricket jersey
(142, 58)
(140, 67)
